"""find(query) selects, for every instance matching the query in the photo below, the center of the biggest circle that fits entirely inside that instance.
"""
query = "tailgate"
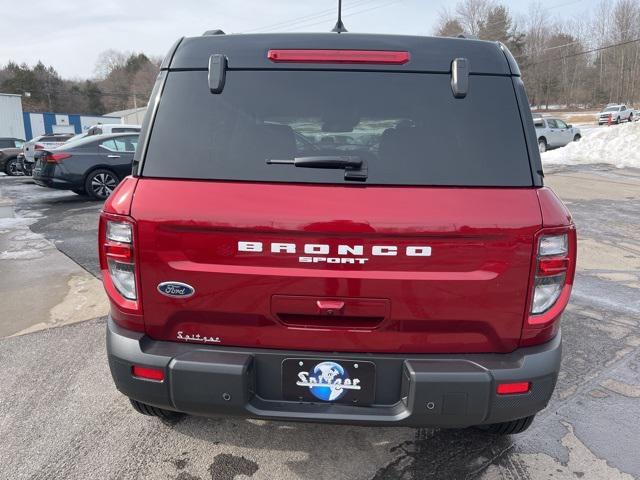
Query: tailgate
(336, 268)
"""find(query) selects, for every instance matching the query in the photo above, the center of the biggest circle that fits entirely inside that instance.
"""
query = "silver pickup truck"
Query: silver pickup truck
(617, 113)
(553, 133)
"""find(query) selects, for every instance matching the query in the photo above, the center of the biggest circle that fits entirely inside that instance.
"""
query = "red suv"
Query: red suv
(338, 228)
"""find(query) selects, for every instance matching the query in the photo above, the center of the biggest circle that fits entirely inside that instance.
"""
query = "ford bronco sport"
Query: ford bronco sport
(338, 228)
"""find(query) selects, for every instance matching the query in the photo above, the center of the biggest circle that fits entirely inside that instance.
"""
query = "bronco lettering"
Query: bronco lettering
(323, 249)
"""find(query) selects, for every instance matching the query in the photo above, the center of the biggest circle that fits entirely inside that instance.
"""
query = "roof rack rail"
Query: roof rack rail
(213, 32)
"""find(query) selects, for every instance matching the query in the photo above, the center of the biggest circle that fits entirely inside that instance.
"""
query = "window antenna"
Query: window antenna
(339, 28)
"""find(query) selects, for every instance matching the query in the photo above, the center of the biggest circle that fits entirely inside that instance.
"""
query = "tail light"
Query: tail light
(119, 273)
(339, 56)
(551, 282)
(55, 157)
(118, 250)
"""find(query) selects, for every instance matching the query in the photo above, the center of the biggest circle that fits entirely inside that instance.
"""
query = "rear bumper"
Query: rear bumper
(54, 182)
(411, 390)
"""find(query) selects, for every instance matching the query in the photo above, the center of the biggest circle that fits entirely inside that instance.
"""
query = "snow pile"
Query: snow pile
(617, 145)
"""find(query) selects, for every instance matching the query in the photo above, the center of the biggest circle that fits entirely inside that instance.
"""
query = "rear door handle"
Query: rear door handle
(113, 156)
(332, 306)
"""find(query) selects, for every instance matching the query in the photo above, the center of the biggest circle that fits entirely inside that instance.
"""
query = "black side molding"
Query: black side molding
(217, 72)
(460, 77)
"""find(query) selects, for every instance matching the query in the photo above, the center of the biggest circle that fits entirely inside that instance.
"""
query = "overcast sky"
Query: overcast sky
(69, 34)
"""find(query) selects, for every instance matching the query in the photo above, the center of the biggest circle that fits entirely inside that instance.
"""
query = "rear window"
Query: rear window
(55, 138)
(407, 127)
(124, 129)
(121, 144)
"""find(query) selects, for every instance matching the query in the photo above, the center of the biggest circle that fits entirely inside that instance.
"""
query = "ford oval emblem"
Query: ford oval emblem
(176, 289)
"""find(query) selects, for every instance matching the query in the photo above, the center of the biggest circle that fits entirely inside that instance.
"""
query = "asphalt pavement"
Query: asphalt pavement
(66, 219)
(62, 418)
(35, 271)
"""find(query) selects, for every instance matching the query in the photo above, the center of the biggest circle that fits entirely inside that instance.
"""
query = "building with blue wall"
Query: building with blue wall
(36, 124)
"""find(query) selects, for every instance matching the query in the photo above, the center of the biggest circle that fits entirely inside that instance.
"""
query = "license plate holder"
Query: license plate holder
(319, 380)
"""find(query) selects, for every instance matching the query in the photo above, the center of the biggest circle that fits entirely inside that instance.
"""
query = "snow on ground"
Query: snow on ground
(618, 145)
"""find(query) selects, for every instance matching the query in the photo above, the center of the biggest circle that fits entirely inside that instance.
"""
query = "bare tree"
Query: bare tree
(108, 61)
(587, 61)
(472, 14)
(448, 25)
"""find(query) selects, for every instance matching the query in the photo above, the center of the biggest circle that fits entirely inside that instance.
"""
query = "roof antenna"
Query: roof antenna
(339, 27)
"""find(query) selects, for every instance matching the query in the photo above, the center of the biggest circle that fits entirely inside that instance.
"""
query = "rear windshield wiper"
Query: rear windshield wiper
(354, 166)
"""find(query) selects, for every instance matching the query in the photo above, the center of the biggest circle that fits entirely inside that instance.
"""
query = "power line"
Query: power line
(564, 4)
(497, 22)
(309, 17)
(633, 29)
(355, 13)
(563, 57)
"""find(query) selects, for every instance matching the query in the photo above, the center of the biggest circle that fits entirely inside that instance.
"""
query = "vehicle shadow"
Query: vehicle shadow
(323, 451)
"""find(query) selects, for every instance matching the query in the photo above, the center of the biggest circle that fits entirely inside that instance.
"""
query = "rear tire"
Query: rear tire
(11, 167)
(151, 411)
(542, 145)
(100, 183)
(508, 428)
(577, 137)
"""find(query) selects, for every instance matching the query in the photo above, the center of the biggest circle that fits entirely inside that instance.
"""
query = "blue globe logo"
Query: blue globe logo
(330, 377)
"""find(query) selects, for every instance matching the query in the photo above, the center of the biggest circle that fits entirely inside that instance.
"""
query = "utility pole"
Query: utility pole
(48, 87)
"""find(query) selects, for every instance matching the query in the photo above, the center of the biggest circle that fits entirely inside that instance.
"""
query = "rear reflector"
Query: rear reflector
(512, 388)
(147, 373)
(339, 56)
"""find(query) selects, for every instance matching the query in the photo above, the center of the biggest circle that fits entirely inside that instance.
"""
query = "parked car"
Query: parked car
(77, 136)
(41, 142)
(107, 128)
(93, 165)
(10, 148)
(617, 114)
(553, 133)
(416, 278)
